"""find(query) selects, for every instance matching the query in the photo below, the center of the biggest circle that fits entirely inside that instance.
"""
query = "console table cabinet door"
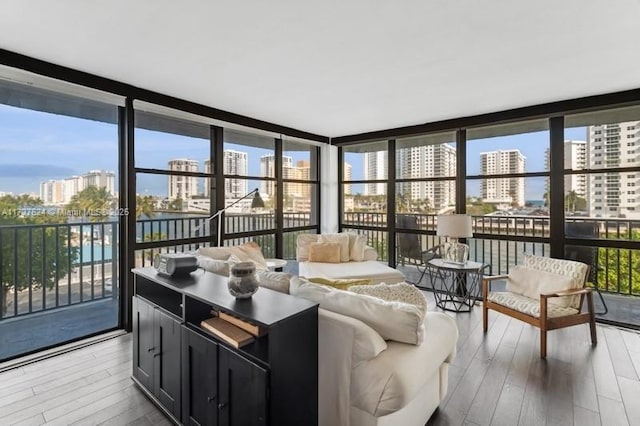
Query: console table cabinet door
(200, 379)
(166, 382)
(243, 391)
(143, 341)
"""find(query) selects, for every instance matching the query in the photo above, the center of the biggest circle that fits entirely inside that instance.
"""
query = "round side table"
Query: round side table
(276, 264)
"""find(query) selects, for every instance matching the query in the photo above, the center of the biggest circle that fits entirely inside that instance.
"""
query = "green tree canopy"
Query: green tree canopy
(93, 202)
(28, 243)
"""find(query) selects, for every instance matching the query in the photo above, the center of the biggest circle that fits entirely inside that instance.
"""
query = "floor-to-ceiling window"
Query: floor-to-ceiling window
(507, 190)
(173, 181)
(301, 193)
(602, 205)
(426, 167)
(59, 212)
(364, 190)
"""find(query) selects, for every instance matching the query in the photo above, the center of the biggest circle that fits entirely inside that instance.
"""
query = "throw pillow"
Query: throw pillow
(532, 282)
(324, 252)
(342, 239)
(246, 252)
(278, 281)
(302, 246)
(397, 321)
(370, 253)
(401, 292)
(340, 283)
(216, 253)
(357, 243)
(216, 266)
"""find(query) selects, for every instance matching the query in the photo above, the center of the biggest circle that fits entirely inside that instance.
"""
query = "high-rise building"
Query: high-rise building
(267, 169)
(72, 186)
(57, 192)
(375, 168)
(235, 163)
(612, 146)
(301, 171)
(101, 179)
(427, 161)
(347, 174)
(183, 187)
(52, 192)
(575, 158)
(502, 191)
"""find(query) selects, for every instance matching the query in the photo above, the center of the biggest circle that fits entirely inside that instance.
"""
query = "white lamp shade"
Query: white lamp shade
(454, 226)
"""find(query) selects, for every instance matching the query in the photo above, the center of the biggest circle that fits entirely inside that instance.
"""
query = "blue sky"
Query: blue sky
(36, 146)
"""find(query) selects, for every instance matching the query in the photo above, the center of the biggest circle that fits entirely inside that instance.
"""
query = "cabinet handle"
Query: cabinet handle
(222, 405)
(211, 398)
(151, 349)
(158, 354)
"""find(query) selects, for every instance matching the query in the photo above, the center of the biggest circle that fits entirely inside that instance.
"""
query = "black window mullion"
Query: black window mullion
(391, 202)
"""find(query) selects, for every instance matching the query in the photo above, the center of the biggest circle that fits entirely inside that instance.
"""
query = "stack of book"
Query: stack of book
(232, 330)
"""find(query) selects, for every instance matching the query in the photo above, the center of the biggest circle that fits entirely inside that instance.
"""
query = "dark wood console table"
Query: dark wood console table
(198, 379)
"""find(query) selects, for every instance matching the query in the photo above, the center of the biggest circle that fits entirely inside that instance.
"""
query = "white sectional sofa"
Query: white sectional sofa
(369, 268)
(402, 385)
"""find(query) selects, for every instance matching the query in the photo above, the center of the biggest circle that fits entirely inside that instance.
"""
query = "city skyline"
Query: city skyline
(31, 139)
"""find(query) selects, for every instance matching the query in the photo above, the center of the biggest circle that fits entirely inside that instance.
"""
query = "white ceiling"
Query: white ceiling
(341, 67)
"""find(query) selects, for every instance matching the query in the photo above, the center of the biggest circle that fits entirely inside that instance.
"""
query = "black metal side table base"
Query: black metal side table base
(457, 284)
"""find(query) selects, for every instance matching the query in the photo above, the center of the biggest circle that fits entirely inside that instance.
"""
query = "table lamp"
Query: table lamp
(454, 226)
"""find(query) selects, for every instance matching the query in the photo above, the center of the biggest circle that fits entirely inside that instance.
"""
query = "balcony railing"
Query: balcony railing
(500, 241)
(49, 266)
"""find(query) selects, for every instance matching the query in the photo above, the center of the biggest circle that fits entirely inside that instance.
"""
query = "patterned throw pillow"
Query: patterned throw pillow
(401, 292)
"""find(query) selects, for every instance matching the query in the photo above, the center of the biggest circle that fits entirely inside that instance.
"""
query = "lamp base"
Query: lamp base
(455, 252)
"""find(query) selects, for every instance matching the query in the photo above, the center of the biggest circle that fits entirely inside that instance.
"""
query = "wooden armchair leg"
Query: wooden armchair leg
(543, 327)
(592, 319)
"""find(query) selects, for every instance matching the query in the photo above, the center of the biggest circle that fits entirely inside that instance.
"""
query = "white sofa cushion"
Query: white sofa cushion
(528, 305)
(342, 239)
(278, 281)
(388, 382)
(216, 266)
(532, 282)
(370, 254)
(302, 246)
(378, 272)
(357, 244)
(397, 321)
(247, 252)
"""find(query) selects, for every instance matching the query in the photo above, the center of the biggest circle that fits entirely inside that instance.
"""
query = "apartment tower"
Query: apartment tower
(183, 187)
(611, 146)
(503, 191)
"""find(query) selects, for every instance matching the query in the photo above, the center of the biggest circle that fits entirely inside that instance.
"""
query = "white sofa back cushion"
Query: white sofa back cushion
(397, 321)
(577, 271)
(532, 282)
(302, 246)
(342, 239)
(357, 245)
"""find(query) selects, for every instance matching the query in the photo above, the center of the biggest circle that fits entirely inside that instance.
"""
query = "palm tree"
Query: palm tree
(145, 206)
(570, 201)
(93, 201)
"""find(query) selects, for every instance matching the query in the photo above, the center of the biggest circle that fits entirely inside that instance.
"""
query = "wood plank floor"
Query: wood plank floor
(495, 379)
